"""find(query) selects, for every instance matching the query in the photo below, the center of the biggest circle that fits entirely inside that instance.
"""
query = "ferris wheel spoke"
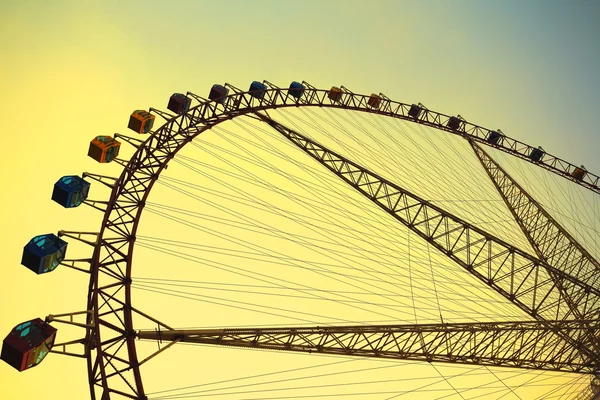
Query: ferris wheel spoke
(445, 231)
(296, 240)
(551, 241)
(538, 285)
(511, 344)
(254, 273)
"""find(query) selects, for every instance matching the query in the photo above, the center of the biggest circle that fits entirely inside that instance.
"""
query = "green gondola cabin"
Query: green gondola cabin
(28, 344)
(537, 154)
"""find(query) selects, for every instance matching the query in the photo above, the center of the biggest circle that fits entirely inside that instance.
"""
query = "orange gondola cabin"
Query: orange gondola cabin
(141, 121)
(104, 149)
(335, 94)
(27, 344)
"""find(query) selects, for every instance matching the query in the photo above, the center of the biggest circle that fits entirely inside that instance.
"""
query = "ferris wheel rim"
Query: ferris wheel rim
(220, 113)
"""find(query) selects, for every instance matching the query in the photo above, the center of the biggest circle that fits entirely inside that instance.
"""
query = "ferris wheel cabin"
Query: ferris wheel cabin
(218, 93)
(179, 103)
(415, 111)
(296, 89)
(494, 137)
(257, 89)
(537, 154)
(70, 191)
(141, 121)
(579, 173)
(374, 101)
(454, 123)
(27, 344)
(104, 149)
(335, 94)
(43, 253)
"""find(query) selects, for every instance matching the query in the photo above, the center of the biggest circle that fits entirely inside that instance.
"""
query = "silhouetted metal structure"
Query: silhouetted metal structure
(558, 286)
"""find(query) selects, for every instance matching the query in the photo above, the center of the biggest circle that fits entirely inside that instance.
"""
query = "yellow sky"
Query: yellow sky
(70, 71)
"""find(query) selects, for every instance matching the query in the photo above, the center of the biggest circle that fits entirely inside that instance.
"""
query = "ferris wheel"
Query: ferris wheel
(549, 275)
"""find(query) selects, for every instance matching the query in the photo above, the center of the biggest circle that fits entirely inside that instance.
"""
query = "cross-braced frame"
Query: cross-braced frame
(562, 301)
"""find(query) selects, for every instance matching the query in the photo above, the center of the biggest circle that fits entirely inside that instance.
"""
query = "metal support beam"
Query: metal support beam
(550, 240)
(542, 291)
(529, 345)
(520, 277)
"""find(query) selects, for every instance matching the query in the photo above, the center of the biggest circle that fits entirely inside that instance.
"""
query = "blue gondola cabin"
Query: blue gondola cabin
(44, 253)
(374, 101)
(414, 111)
(70, 191)
(104, 149)
(536, 154)
(257, 90)
(218, 93)
(179, 103)
(494, 137)
(27, 344)
(335, 94)
(141, 121)
(296, 89)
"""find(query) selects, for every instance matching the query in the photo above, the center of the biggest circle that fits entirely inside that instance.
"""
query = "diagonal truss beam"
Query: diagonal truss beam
(529, 345)
(111, 264)
(551, 241)
(520, 277)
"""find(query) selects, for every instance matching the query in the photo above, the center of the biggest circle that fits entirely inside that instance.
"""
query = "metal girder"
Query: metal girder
(520, 277)
(530, 345)
(551, 241)
(111, 263)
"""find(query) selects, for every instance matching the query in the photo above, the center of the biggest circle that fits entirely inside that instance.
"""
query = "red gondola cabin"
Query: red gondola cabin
(179, 103)
(27, 344)
(374, 101)
(579, 173)
(218, 93)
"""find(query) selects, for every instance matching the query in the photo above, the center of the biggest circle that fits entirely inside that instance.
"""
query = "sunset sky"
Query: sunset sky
(72, 70)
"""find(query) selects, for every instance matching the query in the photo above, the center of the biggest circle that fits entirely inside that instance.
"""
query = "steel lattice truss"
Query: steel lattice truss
(522, 278)
(514, 344)
(529, 282)
(551, 242)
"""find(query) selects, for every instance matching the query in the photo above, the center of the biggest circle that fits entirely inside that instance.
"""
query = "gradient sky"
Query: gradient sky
(71, 70)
